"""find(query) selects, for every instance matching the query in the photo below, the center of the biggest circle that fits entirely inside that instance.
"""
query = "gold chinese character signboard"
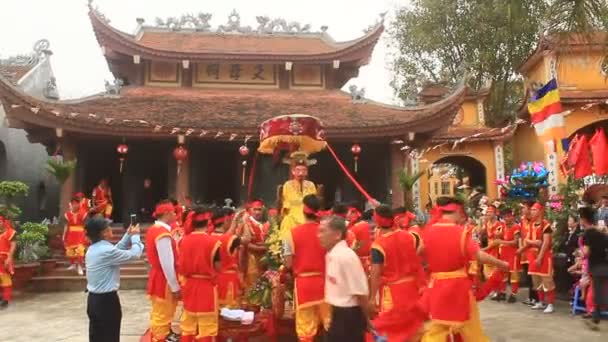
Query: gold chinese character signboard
(220, 74)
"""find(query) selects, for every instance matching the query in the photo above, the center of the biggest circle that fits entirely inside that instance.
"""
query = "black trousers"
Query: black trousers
(532, 295)
(347, 324)
(599, 278)
(105, 315)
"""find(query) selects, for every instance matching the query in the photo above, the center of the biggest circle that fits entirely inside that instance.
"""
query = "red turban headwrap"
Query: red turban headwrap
(256, 204)
(164, 208)
(309, 211)
(384, 222)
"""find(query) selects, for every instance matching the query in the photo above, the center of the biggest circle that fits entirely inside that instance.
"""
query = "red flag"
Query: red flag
(579, 159)
(599, 149)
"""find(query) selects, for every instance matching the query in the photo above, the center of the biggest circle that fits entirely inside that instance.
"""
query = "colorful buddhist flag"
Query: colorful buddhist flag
(547, 116)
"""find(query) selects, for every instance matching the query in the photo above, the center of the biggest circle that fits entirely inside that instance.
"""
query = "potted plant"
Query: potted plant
(31, 246)
(407, 180)
(60, 168)
(9, 190)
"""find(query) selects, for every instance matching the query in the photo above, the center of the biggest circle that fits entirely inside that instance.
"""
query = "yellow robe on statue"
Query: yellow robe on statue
(293, 195)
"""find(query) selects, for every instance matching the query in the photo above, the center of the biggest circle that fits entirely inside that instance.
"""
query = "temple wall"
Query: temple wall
(26, 162)
(571, 68)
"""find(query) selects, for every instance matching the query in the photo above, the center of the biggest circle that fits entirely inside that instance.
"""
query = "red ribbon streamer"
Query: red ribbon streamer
(352, 179)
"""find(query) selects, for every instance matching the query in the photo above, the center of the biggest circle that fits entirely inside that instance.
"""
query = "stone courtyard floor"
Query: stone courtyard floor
(62, 317)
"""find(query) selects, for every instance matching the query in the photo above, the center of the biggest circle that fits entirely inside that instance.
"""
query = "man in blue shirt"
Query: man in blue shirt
(103, 260)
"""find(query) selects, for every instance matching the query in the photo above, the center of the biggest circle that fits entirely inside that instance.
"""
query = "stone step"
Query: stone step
(79, 283)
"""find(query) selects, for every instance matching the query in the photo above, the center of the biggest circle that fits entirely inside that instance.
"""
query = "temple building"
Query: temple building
(184, 83)
(31, 74)
(580, 66)
(468, 144)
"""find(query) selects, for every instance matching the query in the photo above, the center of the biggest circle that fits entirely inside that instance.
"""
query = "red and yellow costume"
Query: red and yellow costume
(363, 237)
(102, 199)
(542, 275)
(200, 319)
(309, 271)
(494, 231)
(509, 254)
(229, 283)
(257, 232)
(163, 302)
(7, 237)
(449, 300)
(473, 268)
(400, 284)
(75, 237)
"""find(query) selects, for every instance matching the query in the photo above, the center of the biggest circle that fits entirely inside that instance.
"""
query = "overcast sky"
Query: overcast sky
(81, 69)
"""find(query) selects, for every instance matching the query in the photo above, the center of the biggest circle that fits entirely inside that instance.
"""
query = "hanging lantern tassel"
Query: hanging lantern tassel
(244, 152)
(122, 150)
(356, 150)
(244, 171)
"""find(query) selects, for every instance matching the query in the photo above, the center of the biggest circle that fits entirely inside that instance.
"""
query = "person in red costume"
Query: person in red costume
(449, 300)
(228, 280)
(102, 198)
(509, 244)
(341, 210)
(200, 260)
(306, 257)
(537, 245)
(493, 229)
(74, 238)
(8, 244)
(163, 287)
(254, 232)
(395, 279)
(405, 220)
(85, 204)
(362, 232)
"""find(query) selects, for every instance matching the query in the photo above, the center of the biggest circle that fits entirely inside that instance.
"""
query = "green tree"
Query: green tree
(407, 180)
(576, 16)
(434, 39)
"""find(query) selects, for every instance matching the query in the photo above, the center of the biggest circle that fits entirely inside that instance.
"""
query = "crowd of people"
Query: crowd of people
(356, 274)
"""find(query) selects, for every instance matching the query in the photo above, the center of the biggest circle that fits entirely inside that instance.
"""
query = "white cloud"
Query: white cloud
(81, 69)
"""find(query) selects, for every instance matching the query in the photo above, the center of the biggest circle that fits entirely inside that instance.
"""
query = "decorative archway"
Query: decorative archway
(454, 173)
(590, 128)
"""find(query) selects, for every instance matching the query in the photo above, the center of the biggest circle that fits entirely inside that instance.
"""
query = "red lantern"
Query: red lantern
(244, 151)
(356, 150)
(180, 154)
(122, 150)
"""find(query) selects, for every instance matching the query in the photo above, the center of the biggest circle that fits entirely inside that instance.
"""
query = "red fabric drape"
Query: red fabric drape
(579, 159)
(599, 149)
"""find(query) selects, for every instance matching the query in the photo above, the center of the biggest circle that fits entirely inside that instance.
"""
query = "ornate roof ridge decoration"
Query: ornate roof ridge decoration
(200, 42)
(39, 50)
(266, 25)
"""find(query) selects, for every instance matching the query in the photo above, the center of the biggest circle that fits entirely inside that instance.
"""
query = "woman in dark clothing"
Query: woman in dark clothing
(570, 241)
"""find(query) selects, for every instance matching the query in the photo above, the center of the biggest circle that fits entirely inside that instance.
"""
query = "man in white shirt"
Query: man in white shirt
(346, 287)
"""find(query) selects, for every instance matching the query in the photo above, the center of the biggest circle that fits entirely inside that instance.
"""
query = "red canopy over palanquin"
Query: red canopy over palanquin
(304, 132)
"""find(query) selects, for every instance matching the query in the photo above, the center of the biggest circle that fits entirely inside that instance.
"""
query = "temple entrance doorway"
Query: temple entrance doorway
(215, 173)
(453, 174)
